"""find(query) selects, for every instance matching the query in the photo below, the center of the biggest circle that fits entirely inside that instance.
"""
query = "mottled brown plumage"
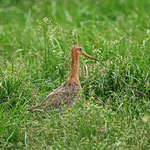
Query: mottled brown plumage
(67, 93)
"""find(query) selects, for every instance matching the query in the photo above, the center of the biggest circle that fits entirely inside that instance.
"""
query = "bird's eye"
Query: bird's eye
(80, 49)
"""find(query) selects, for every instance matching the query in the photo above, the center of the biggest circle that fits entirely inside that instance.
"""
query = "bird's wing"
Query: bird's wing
(63, 95)
(50, 96)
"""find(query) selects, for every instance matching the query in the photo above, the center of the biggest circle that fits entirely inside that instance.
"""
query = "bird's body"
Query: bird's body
(67, 93)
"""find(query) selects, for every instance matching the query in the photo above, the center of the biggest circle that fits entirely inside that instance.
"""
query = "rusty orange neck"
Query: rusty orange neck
(74, 71)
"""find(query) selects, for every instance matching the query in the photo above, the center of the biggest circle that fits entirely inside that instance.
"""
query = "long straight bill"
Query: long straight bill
(89, 56)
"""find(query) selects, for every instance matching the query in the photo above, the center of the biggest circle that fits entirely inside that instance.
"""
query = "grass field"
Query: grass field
(35, 42)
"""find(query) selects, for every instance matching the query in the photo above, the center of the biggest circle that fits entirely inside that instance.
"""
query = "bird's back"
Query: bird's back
(66, 94)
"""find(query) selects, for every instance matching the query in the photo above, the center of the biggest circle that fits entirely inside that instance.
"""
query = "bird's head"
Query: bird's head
(78, 50)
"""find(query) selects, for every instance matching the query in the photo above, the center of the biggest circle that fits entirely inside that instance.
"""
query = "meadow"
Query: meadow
(35, 43)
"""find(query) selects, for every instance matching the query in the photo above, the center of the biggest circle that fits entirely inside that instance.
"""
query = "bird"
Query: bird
(68, 92)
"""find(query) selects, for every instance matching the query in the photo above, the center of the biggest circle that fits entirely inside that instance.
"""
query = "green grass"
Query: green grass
(35, 42)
